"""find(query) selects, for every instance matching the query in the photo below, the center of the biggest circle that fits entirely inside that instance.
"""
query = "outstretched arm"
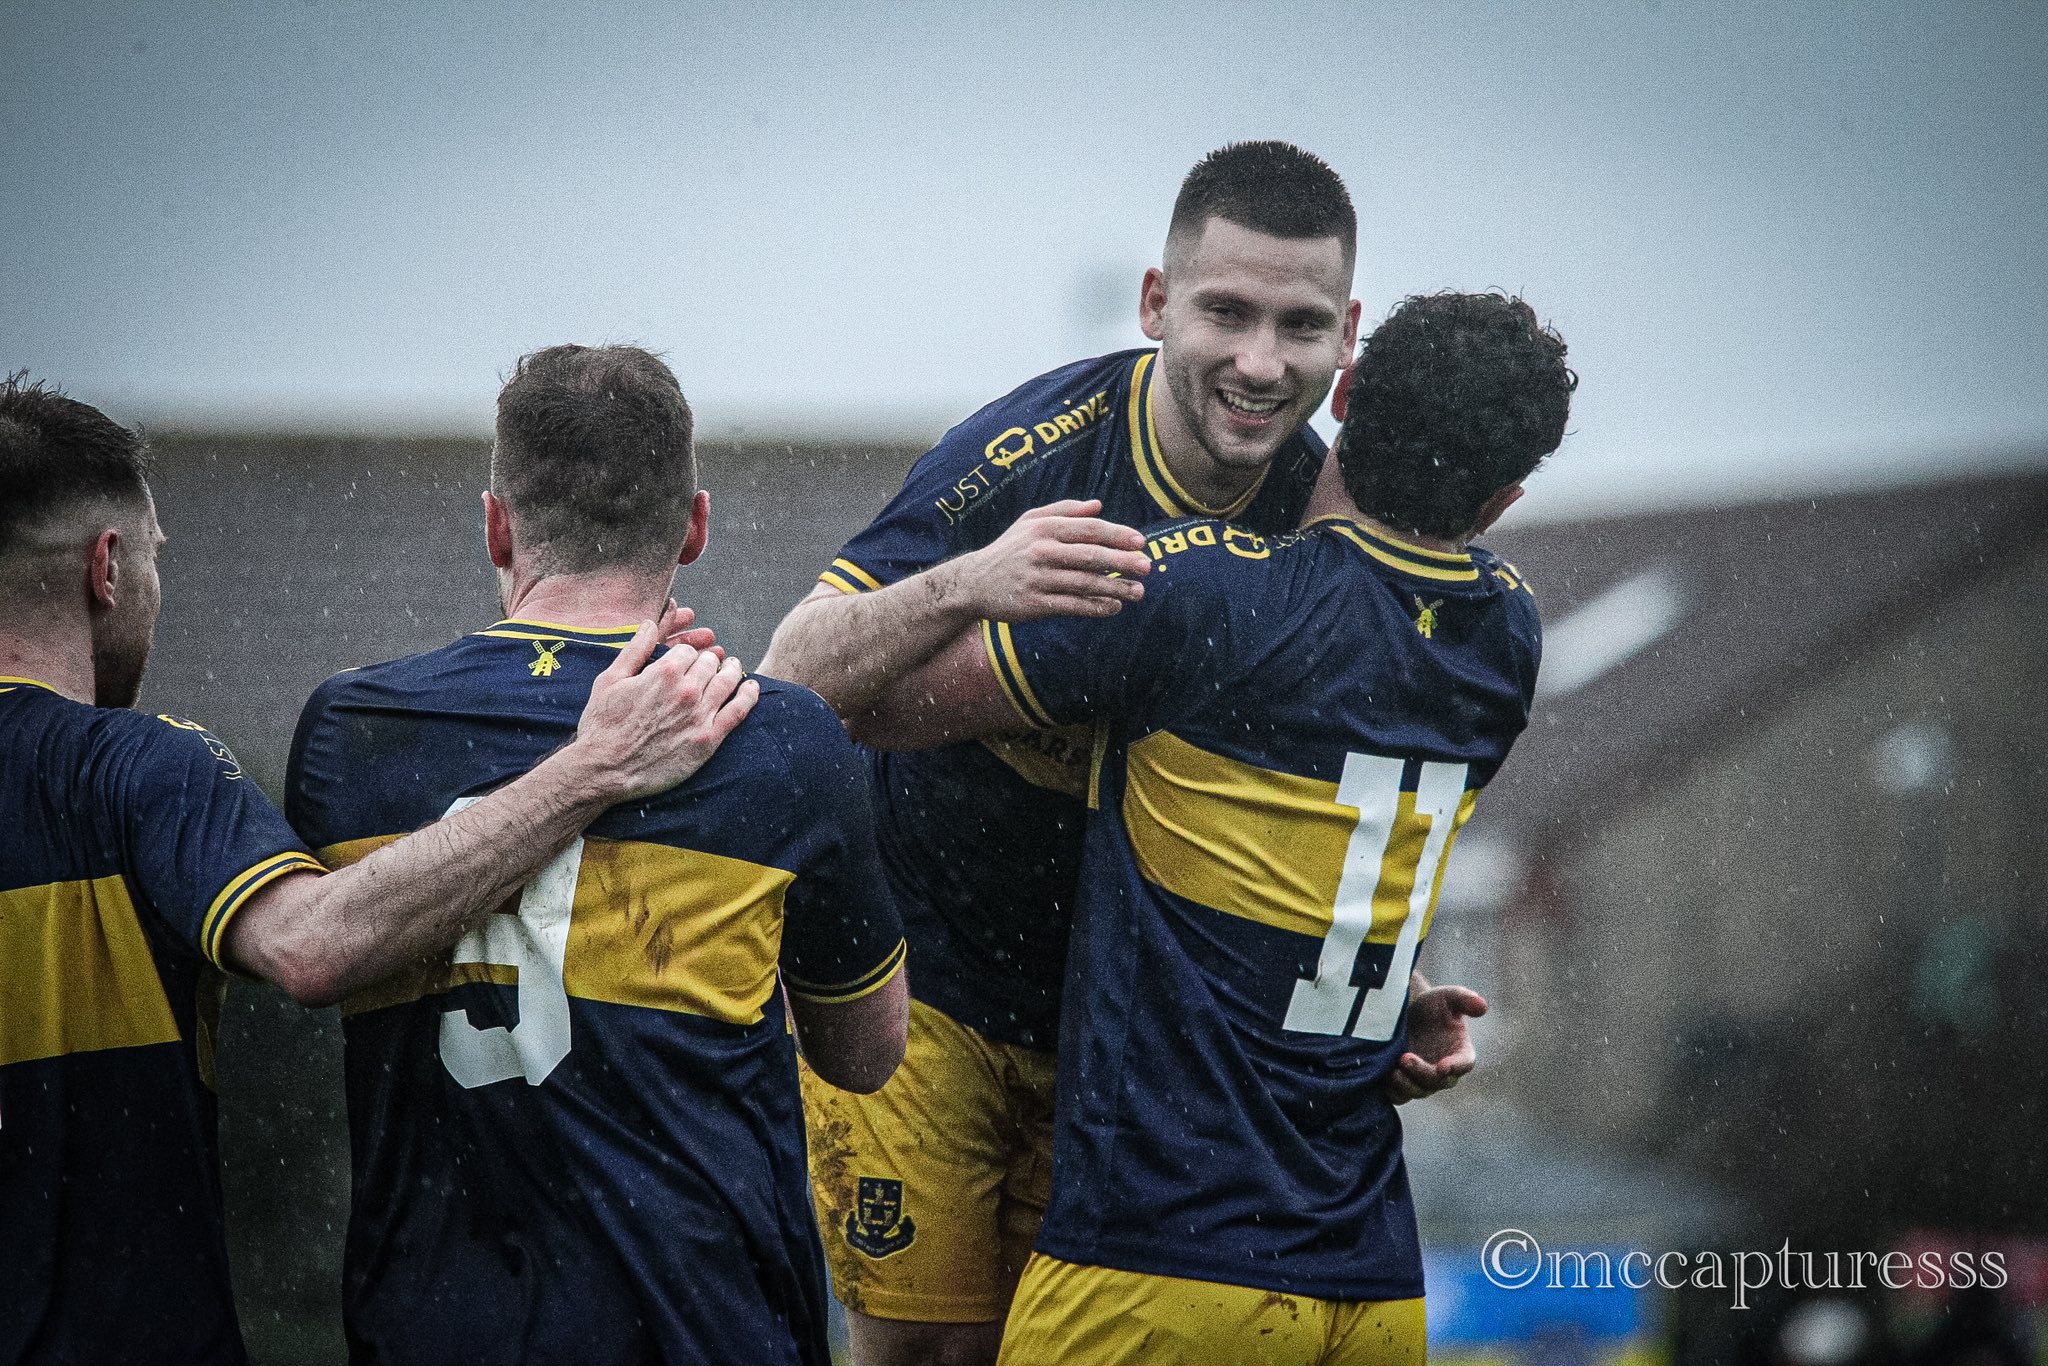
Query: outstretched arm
(1053, 561)
(642, 732)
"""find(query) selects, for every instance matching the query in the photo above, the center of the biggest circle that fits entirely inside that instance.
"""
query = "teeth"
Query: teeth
(1255, 407)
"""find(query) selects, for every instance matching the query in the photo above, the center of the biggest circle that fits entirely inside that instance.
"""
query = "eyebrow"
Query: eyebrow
(1317, 313)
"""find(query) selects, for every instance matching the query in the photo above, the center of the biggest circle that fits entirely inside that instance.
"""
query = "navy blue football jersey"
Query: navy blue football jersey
(130, 843)
(578, 1137)
(1294, 731)
(982, 841)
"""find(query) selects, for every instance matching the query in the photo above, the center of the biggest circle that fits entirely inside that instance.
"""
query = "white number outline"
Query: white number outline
(1371, 784)
(535, 942)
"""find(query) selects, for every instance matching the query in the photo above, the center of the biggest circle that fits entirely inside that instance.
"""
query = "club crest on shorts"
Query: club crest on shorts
(877, 1225)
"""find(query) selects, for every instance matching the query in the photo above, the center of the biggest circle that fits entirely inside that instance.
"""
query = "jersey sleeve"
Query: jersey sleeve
(308, 774)
(1149, 662)
(201, 838)
(921, 524)
(842, 936)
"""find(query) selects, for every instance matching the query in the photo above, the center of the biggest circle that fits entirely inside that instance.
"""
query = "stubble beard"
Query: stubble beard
(1192, 401)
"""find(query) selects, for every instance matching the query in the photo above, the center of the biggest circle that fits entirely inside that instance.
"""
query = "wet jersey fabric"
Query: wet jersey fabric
(982, 841)
(579, 1137)
(1295, 729)
(130, 842)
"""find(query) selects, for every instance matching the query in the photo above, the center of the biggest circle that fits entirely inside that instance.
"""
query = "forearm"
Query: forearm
(952, 696)
(850, 647)
(327, 937)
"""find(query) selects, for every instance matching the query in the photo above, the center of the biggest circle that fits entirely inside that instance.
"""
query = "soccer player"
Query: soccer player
(929, 1193)
(1293, 731)
(137, 862)
(580, 1138)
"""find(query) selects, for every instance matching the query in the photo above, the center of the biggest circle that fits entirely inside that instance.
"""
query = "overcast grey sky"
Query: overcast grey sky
(1788, 244)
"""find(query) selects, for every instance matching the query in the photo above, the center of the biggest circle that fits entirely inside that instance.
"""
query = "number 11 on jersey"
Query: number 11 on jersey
(1384, 861)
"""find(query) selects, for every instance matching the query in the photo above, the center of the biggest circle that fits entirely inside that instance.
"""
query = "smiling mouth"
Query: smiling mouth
(1248, 407)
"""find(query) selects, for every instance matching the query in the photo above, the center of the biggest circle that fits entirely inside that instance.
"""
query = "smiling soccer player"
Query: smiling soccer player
(930, 1191)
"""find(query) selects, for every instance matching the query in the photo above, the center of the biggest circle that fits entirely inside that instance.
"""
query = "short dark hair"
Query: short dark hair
(1454, 397)
(594, 456)
(57, 453)
(1270, 187)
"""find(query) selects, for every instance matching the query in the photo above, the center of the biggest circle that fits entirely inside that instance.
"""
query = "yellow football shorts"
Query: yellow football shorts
(929, 1191)
(1095, 1316)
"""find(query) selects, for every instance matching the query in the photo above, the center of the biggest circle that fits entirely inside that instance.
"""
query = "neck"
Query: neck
(605, 597)
(59, 656)
(1329, 499)
(1210, 482)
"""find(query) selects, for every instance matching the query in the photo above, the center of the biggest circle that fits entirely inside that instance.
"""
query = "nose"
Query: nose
(1258, 360)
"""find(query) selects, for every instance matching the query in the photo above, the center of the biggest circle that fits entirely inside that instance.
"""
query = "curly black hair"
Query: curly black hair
(1454, 397)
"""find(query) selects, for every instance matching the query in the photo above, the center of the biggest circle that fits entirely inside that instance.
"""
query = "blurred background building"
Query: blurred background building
(1758, 900)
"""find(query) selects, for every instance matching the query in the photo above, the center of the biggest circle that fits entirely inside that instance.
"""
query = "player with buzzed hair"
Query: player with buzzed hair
(138, 864)
(929, 1193)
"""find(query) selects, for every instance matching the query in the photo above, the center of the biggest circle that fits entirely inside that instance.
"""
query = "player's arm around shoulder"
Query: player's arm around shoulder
(1051, 670)
(843, 950)
(951, 548)
(646, 727)
(1061, 559)
(1525, 620)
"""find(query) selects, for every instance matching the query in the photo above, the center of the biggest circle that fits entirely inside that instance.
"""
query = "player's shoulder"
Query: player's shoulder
(1207, 550)
(1505, 579)
(792, 710)
(1081, 391)
(138, 745)
(791, 744)
(795, 720)
(1041, 413)
(1212, 578)
(394, 677)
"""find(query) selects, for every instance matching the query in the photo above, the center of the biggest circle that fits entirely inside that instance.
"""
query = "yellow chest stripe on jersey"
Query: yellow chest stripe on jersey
(651, 925)
(76, 973)
(1259, 844)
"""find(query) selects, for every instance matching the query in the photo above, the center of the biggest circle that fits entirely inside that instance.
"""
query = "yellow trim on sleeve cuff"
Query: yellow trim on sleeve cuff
(240, 888)
(865, 985)
(849, 577)
(1009, 672)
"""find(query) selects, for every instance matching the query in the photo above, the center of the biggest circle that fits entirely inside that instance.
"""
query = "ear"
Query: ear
(1492, 508)
(1152, 303)
(1340, 393)
(103, 571)
(699, 534)
(497, 530)
(1352, 313)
